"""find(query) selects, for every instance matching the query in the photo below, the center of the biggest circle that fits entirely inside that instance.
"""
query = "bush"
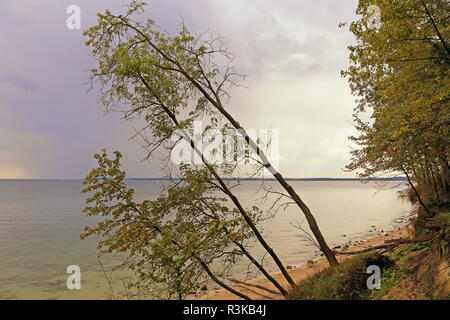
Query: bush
(344, 282)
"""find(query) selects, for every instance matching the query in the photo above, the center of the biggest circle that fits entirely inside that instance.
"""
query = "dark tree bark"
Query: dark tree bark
(415, 190)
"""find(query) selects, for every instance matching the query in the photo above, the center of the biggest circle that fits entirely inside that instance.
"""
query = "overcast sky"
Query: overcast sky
(292, 50)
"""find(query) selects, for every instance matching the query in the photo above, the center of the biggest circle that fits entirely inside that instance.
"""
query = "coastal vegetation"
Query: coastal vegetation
(169, 82)
(400, 73)
(198, 228)
(412, 271)
(345, 282)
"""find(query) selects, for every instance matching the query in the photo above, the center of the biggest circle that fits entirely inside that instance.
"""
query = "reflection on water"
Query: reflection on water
(40, 224)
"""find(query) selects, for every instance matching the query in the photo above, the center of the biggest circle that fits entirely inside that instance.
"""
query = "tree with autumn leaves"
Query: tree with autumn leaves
(199, 225)
(400, 73)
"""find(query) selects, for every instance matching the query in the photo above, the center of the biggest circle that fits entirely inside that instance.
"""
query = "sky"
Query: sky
(291, 50)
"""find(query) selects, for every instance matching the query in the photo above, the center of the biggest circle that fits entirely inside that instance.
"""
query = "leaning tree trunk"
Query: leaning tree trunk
(236, 202)
(214, 99)
(295, 197)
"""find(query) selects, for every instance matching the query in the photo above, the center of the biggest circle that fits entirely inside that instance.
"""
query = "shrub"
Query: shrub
(344, 282)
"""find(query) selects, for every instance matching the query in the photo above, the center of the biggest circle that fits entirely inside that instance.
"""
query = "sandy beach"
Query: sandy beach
(298, 272)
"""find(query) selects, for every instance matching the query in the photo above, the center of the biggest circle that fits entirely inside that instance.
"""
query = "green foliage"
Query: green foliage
(393, 275)
(167, 240)
(167, 82)
(399, 254)
(348, 281)
(146, 73)
(390, 277)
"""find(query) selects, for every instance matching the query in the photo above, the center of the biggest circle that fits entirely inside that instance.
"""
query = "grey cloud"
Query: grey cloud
(268, 45)
(284, 46)
(19, 82)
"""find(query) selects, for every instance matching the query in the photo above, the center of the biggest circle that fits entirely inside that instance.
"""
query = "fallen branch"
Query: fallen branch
(255, 285)
(390, 244)
(255, 292)
(406, 240)
(383, 246)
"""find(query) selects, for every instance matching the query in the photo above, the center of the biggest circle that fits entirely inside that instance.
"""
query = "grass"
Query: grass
(348, 281)
(404, 251)
(390, 277)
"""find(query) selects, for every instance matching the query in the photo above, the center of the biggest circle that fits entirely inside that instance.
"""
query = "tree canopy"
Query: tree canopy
(399, 71)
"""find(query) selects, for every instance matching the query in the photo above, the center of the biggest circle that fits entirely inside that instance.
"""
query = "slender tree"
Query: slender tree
(181, 72)
(159, 102)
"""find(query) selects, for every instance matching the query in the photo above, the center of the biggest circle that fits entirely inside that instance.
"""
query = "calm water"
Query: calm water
(40, 224)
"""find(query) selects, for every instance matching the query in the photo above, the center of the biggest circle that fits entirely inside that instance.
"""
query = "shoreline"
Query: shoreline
(300, 271)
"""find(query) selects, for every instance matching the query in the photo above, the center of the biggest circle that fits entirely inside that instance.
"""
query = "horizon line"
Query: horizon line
(224, 178)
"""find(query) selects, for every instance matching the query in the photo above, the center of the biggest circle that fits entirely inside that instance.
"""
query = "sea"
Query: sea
(41, 222)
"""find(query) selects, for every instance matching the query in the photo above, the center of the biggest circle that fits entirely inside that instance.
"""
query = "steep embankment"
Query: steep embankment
(412, 270)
